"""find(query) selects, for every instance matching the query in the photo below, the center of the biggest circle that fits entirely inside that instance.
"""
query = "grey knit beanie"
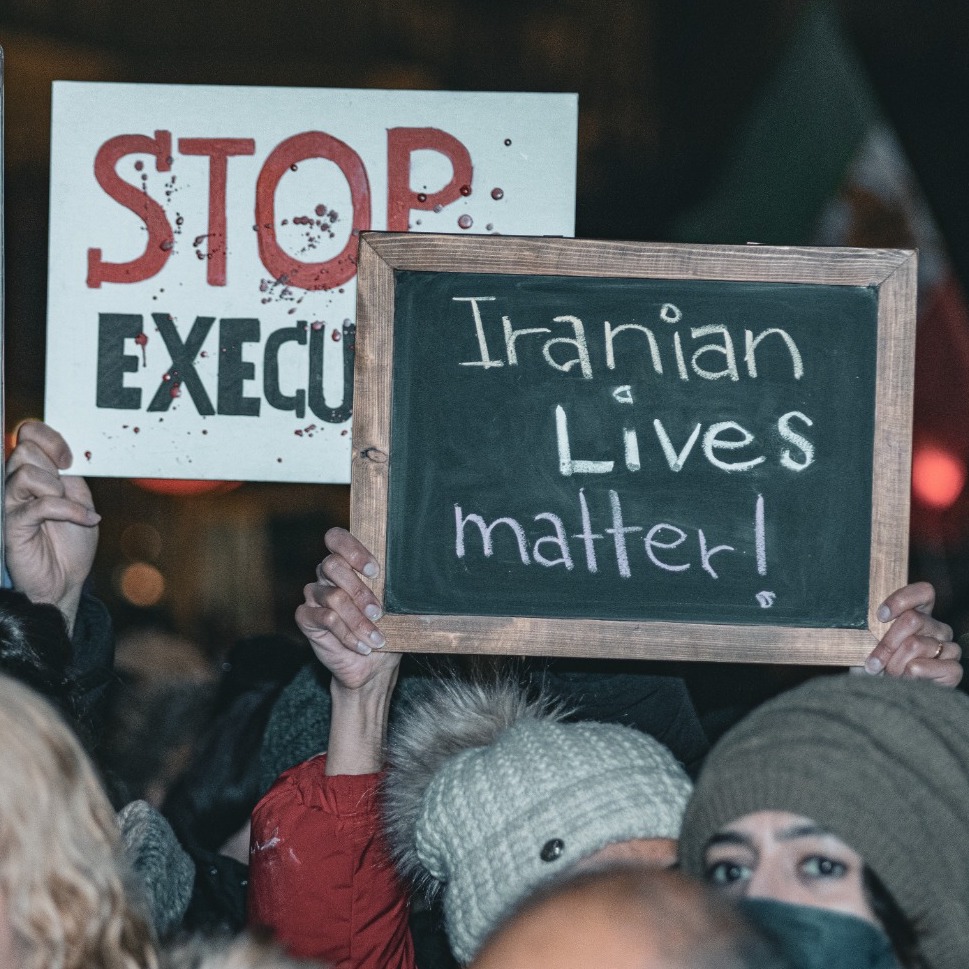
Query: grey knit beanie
(165, 871)
(881, 763)
(489, 795)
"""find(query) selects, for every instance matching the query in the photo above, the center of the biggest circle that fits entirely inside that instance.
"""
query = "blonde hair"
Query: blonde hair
(61, 871)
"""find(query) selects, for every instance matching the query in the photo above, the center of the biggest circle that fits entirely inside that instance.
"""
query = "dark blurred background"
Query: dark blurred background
(776, 121)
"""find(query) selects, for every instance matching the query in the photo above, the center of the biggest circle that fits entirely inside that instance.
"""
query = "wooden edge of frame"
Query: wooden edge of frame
(372, 397)
(627, 639)
(555, 256)
(891, 479)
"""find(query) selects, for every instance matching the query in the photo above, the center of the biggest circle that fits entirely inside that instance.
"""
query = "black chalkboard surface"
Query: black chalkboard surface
(681, 457)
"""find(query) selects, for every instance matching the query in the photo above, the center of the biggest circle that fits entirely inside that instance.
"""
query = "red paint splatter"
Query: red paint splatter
(176, 389)
(137, 430)
(343, 433)
(421, 197)
(318, 324)
(465, 222)
(142, 340)
(167, 246)
(87, 454)
(335, 336)
(465, 190)
(320, 210)
(298, 432)
(497, 194)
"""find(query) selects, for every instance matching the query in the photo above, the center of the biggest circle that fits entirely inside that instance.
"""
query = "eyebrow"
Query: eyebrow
(806, 830)
(730, 838)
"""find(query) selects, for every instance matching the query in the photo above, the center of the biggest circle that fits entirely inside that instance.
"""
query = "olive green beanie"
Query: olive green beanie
(881, 763)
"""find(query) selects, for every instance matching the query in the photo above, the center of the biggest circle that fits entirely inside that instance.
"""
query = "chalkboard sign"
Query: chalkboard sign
(604, 449)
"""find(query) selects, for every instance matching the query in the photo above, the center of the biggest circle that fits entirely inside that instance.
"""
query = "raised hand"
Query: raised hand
(916, 645)
(51, 533)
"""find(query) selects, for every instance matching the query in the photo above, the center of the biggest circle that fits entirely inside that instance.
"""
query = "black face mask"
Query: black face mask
(815, 938)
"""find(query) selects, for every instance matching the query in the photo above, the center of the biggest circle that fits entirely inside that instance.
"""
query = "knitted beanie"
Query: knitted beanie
(489, 795)
(881, 763)
(298, 726)
(166, 872)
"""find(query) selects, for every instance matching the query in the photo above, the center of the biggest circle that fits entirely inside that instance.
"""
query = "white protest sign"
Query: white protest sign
(203, 248)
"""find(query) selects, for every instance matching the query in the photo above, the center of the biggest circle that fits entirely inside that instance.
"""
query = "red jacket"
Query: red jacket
(320, 876)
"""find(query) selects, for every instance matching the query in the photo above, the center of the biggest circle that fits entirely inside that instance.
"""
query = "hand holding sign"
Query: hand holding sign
(336, 616)
(916, 645)
(336, 619)
(51, 526)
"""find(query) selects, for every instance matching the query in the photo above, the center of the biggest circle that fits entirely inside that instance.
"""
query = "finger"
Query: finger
(903, 628)
(340, 541)
(30, 454)
(325, 628)
(30, 482)
(76, 488)
(908, 624)
(917, 595)
(916, 648)
(945, 671)
(48, 440)
(335, 570)
(353, 628)
(33, 514)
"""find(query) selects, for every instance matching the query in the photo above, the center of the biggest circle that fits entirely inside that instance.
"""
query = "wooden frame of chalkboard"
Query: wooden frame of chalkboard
(861, 303)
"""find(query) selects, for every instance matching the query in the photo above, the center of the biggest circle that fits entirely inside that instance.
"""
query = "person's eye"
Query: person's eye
(819, 866)
(726, 873)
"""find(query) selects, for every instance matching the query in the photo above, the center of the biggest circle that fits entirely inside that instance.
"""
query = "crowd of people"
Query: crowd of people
(351, 808)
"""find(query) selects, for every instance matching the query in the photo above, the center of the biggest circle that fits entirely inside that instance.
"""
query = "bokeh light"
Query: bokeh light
(141, 584)
(938, 476)
(183, 488)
